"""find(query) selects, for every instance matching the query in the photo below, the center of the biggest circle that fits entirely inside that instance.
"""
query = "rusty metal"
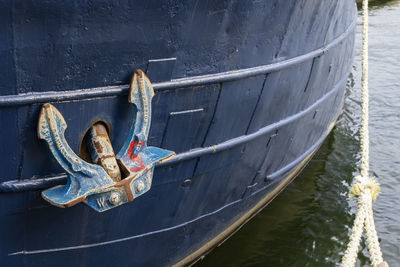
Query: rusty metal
(101, 150)
(101, 187)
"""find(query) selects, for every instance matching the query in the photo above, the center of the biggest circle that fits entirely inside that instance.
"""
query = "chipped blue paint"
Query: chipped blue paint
(90, 183)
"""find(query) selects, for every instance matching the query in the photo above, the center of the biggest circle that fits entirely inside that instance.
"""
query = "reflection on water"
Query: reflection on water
(375, 4)
(308, 224)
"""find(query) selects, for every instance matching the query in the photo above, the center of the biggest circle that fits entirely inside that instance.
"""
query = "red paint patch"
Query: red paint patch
(134, 157)
(138, 160)
(132, 146)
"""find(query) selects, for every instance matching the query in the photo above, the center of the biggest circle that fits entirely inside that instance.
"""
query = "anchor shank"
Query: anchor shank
(101, 150)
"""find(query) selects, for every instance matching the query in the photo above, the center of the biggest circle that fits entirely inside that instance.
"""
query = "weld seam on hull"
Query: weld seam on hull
(229, 231)
(33, 184)
(198, 152)
(43, 97)
(302, 157)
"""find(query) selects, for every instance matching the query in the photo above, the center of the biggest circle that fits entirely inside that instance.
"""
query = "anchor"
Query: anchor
(91, 183)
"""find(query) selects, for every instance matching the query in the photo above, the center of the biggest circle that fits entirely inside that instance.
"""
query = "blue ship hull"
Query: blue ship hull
(245, 93)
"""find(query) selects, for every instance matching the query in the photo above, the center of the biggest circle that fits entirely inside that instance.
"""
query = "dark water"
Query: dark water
(308, 224)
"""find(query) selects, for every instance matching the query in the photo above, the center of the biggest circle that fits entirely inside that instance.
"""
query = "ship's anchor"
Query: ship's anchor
(91, 183)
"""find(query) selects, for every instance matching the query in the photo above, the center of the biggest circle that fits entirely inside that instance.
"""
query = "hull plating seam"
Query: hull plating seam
(232, 229)
(302, 158)
(33, 184)
(43, 97)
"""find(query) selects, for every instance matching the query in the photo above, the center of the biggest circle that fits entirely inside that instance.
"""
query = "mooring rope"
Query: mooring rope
(365, 187)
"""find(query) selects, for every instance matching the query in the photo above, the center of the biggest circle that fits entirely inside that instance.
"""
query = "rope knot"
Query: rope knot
(363, 184)
(366, 188)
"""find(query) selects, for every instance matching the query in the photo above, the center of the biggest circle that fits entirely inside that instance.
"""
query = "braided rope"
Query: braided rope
(366, 188)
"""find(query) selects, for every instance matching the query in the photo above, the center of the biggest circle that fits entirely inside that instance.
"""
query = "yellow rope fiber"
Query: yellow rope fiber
(365, 187)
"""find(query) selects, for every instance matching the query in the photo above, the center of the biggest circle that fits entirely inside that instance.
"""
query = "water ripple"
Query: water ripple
(309, 223)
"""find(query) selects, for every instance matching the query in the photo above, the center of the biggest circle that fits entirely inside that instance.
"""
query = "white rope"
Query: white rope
(366, 188)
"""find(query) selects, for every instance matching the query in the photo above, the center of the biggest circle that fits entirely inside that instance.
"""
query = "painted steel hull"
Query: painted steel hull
(247, 94)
